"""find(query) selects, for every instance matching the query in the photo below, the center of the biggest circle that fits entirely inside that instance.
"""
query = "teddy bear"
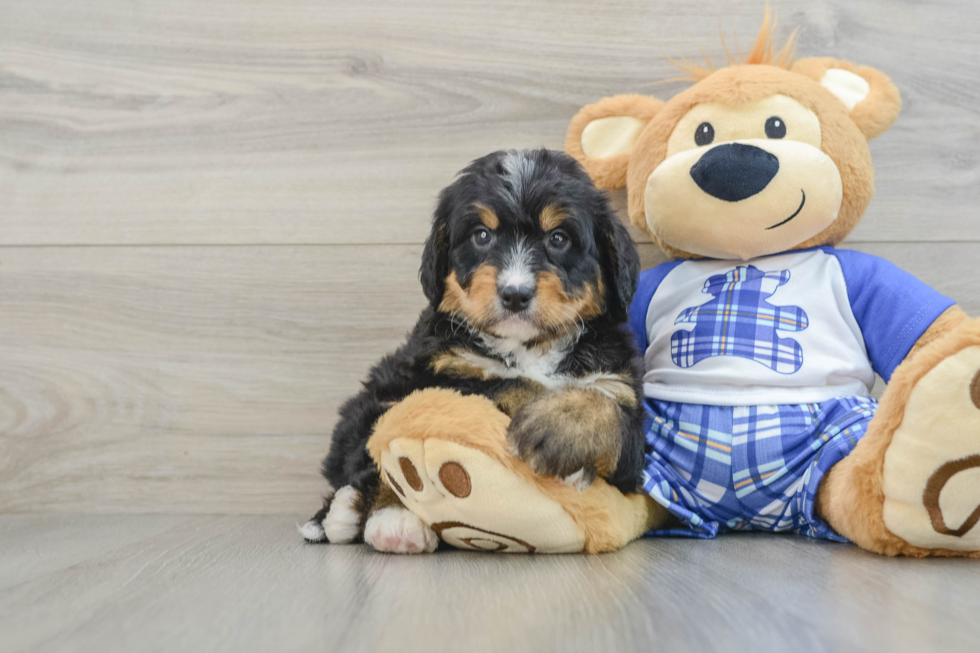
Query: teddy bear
(760, 341)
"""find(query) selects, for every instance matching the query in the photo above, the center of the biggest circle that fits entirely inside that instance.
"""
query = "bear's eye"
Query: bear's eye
(482, 238)
(775, 127)
(704, 134)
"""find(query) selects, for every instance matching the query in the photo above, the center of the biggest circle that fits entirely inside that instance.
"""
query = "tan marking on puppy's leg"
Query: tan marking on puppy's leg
(477, 301)
(618, 387)
(453, 363)
(386, 494)
(563, 432)
(514, 397)
(487, 216)
(552, 216)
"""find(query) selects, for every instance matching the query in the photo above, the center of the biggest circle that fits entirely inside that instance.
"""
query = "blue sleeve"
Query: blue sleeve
(646, 286)
(892, 308)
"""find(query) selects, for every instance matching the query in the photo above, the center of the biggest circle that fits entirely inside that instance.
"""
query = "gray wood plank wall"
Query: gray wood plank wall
(211, 213)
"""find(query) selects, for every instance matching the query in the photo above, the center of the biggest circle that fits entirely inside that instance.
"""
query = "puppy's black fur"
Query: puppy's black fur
(596, 263)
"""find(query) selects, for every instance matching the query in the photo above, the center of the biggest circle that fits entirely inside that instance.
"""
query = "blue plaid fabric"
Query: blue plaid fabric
(740, 321)
(730, 468)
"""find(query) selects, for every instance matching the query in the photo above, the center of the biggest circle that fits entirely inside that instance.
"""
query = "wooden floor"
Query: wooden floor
(240, 583)
(211, 216)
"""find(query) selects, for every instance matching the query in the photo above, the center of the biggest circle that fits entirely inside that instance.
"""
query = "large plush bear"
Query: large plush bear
(760, 339)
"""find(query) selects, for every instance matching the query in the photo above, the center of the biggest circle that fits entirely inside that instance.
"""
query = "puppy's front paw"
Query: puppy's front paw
(549, 450)
(341, 524)
(397, 530)
(574, 435)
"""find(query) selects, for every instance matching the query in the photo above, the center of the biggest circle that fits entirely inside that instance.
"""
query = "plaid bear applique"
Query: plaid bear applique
(740, 321)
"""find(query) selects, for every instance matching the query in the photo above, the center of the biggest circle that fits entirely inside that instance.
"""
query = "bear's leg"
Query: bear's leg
(912, 485)
(446, 458)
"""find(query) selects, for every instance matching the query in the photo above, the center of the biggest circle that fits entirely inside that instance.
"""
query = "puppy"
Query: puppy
(529, 276)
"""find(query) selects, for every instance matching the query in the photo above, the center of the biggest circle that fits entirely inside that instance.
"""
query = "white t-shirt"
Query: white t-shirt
(774, 330)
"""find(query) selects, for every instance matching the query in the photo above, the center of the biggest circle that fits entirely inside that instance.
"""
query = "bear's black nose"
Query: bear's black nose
(734, 171)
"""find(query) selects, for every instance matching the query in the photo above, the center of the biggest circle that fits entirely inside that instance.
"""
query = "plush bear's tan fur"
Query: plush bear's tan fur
(626, 140)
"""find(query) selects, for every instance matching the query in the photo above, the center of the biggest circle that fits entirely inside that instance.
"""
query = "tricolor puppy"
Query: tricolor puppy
(529, 276)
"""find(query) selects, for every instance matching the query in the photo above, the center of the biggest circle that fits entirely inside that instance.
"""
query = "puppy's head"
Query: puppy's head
(524, 247)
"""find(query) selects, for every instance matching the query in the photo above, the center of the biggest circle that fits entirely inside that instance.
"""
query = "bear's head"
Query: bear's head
(759, 157)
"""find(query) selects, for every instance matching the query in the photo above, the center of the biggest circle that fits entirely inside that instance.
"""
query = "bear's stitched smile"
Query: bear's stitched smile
(795, 213)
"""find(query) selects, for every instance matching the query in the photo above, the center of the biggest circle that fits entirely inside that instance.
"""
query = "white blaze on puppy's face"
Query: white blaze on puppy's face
(517, 267)
(517, 272)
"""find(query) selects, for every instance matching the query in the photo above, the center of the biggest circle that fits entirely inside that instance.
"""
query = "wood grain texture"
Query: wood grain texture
(160, 378)
(210, 215)
(207, 379)
(267, 122)
(195, 583)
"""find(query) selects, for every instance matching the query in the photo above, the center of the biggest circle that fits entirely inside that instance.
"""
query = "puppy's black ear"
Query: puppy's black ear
(621, 264)
(435, 254)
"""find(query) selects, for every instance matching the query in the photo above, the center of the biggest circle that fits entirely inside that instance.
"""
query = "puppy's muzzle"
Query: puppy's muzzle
(735, 171)
(516, 298)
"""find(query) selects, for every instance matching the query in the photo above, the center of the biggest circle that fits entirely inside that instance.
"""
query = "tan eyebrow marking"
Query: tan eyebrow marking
(552, 216)
(487, 217)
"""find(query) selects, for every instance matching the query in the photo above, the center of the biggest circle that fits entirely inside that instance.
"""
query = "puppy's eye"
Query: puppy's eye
(704, 134)
(775, 127)
(482, 238)
(558, 241)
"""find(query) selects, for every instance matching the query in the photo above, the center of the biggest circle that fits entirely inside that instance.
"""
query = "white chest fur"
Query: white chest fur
(539, 364)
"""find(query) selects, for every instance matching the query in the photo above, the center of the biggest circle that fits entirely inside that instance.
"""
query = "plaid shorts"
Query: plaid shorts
(730, 468)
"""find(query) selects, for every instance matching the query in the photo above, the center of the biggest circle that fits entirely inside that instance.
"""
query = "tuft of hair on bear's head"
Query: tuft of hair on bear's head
(761, 53)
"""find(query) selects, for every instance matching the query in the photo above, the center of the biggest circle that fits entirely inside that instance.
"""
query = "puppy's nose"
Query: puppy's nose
(734, 171)
(516, 298)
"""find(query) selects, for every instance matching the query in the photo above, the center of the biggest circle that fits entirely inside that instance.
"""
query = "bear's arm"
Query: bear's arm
(951, 318)
(896, 312)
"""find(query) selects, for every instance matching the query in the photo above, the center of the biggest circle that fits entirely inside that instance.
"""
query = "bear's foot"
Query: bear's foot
(446, 458)
(931, 471)
(912, 485)
(473, 502)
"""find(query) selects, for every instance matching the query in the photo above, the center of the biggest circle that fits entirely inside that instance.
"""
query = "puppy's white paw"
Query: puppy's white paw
(312, 531)
(397, 530)
(341, 523)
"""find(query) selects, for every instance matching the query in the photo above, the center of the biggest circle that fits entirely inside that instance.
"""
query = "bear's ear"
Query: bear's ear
(869, 95)
(602, 135)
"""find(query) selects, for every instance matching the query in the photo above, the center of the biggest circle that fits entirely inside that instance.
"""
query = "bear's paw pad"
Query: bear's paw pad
(473, 501)
(932, 466)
